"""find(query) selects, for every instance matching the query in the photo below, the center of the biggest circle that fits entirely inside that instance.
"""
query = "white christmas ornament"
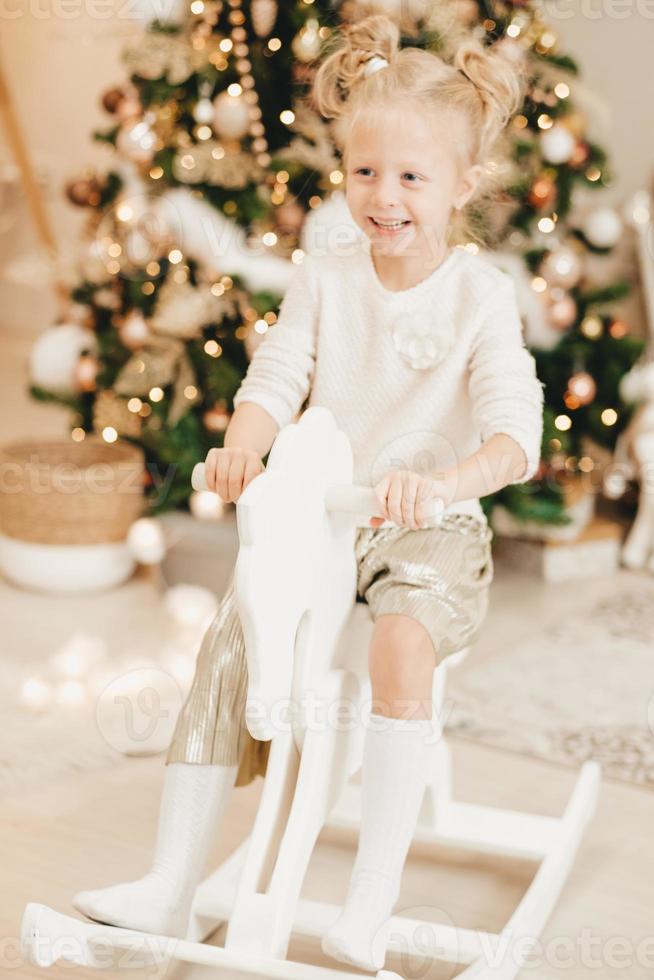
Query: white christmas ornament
(264, 15)
(231, 116)
(562, 267)
(78, 655)
(307, 43)
(55, 354)
(36, 694)
(137, 140)
(203, 112)
(190, 605)
(602, 227)
(638, 209)
(165, 11)
(557, 144)
(145, 540)
(205, 505)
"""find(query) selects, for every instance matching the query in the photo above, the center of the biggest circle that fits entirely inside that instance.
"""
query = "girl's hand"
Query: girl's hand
(403, 497)
(229, 470)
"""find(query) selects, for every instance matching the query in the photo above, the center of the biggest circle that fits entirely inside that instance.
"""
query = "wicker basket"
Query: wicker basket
(62, 492)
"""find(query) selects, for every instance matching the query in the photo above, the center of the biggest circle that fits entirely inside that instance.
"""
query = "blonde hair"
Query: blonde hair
(482, 86)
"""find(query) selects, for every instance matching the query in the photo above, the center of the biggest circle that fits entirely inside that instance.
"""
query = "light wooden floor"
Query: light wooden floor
(93, 830)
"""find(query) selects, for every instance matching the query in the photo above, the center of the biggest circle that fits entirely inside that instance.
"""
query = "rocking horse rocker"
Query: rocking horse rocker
(306, 640)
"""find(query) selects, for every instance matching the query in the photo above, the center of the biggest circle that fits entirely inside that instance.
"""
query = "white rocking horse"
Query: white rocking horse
(306, 639)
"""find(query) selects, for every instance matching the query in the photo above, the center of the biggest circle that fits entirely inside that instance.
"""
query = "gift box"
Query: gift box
(593, 553)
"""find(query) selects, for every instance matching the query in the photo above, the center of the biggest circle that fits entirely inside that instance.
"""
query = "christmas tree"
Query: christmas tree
(220, 166)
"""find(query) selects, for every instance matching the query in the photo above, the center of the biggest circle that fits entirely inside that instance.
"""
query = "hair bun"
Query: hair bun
(495, 78)
(375, 36)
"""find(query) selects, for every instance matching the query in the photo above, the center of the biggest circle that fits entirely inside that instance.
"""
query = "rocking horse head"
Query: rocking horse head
(294, 576)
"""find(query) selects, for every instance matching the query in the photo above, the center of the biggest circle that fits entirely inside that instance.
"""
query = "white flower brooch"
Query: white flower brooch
(420, 343)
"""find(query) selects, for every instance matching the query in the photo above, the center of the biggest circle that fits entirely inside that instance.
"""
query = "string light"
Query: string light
(592, 327)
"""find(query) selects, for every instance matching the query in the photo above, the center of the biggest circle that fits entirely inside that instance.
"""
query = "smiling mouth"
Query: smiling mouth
(389, 225)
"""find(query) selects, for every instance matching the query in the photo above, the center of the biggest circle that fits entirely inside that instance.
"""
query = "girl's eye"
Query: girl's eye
(405, 174)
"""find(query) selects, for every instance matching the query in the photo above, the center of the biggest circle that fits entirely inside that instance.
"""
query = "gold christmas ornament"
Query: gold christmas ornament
(563, 309)
(107, 298)
(307, 44)
(203, 111)
(154, 366)
(79, 313)
(231, 116)
(583, 386)
(183, 310)
(580, 154)
(153, 55)
(592, 327)
(542, 193)
(109, 411)
(137, 140)
(134, 331)
(163, 361)
(208, 163)
(84, 192)
(264, 15)
(86, 372)
(216, 419)
(111, 99)
(562, 267)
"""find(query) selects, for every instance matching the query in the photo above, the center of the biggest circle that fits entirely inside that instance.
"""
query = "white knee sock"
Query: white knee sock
(396, 761)
(193, 801)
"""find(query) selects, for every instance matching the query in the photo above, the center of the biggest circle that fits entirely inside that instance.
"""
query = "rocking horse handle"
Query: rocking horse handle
(344, 498)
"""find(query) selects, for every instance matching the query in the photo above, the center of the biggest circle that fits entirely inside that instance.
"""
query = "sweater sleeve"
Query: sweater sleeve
(281, 368)
(506, 395)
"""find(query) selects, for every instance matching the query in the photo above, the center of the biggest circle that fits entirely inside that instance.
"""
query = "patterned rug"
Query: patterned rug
(580, 689)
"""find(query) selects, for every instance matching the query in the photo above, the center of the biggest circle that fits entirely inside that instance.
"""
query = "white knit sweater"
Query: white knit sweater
(416, 378)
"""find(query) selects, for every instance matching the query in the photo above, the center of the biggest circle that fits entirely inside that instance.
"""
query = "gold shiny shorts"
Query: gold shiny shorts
(439, 576)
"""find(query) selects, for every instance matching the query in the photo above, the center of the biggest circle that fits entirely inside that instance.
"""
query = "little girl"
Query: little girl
(416, 348)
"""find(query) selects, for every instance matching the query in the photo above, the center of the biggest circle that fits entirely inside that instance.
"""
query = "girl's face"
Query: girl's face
(404, 169)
